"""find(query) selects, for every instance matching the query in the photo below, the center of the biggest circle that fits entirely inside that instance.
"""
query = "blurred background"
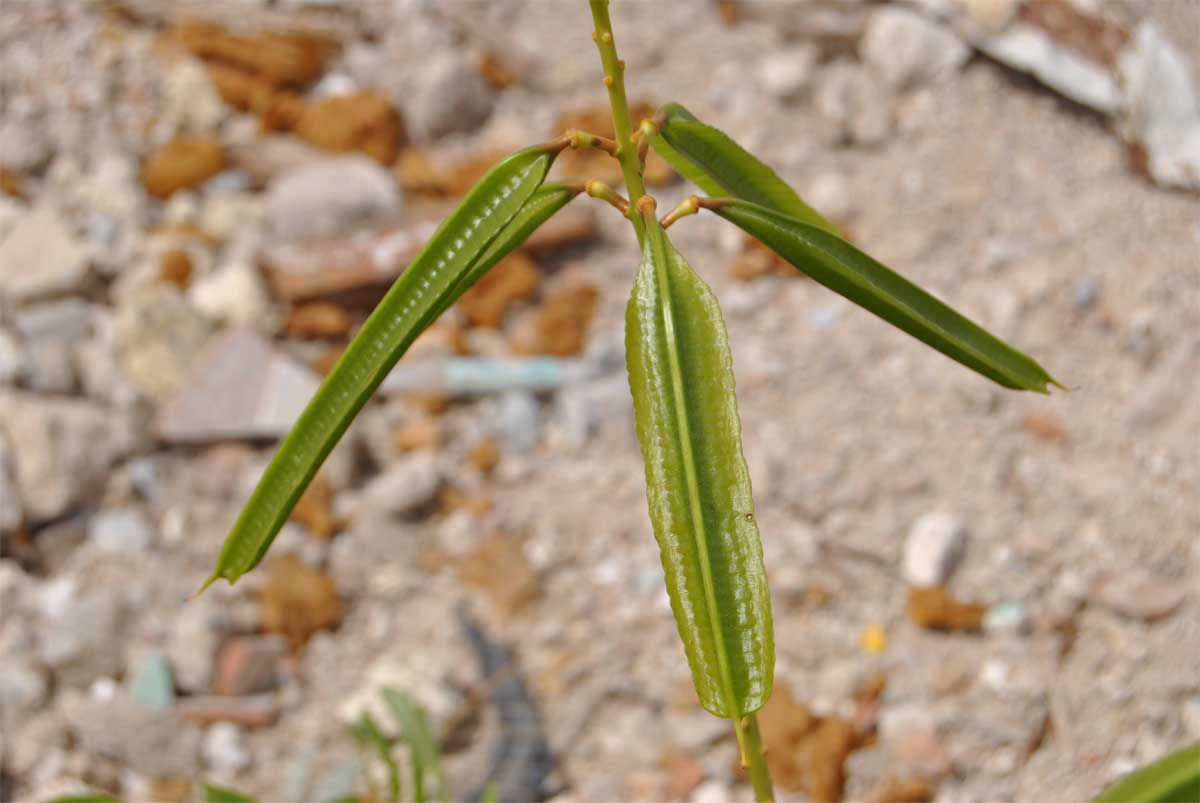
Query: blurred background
(979, 595)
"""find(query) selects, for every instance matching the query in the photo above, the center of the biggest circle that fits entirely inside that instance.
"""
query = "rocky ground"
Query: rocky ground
(979, 595)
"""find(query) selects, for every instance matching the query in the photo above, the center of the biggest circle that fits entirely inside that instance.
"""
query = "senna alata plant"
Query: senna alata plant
(680, 370)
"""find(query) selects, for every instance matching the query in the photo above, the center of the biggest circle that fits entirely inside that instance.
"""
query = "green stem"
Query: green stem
(754, 759)
(614, 79)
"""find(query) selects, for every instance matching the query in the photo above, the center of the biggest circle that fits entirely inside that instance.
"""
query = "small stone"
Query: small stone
(1162, 106)
(41, 258)
(1030, 49)
(1085, 292)
(520, 417)
(785, 74)
(80, 634)
(63, 449)
(933, 548)
(298, 601)
(405, 485)
(184, 162)
(152, 685)
(12, 510)
(251, 711)
(121, 532)
(363, 121)
(830, 195)
(225, 749)
(1006, 618)
(1137, 594)
(874, 639)
(52, 331)
(1190, 715)
(157, 337)
(499, 567)
(713, 791)
(190, 102)
(452, 98)
(240, 387)
(233, 294)
(907, 49)
(330, 197)
(933, 608)
(992, 15)
(857, 102)
(14, 359)
(911, 734)
(249, 664)
(24, 147)
(152, 743)
(23, 688)
(192, 644)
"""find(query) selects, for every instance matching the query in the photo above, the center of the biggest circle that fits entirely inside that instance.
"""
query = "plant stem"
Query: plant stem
(754, 759)
(614, 80)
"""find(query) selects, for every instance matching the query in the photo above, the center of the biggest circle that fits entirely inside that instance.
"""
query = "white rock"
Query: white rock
(830, 195)
(239, 387)
(23, 147)
(992, 15)
(157, 744)
(1029, 49)
(857, 102)
(224, 748)
(157, 337)
(785, 74)
(1162, 107)
(191, 101)
(40, 257)
(330, 197)
(63, 449)
(406, 484)
(452, 98)
(233, 294)
(934, 546)
(12, 511)
(907, 49)
(51, 332)
(13, 358)
(80, 636)
(520, 421)
(121, 532)
(192, 645)
(23, 688)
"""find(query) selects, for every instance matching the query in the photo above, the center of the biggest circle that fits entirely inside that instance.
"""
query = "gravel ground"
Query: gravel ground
(1072, 517)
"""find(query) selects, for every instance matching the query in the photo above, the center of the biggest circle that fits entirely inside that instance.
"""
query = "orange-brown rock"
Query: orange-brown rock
(804, 751)
(499, 568)
(484, 455)
(318, 319)
(365, 121)
(559, 327)
(284, 59)
(10, 184)
(499, 76)
(314, 510)
(181, 163)
(175, 267)
(516, 277)
(298, 600)
(416, 434)
(934, 608)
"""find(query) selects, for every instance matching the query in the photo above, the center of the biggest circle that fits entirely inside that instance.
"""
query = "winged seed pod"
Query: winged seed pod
(457, 254)
(697, 483)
